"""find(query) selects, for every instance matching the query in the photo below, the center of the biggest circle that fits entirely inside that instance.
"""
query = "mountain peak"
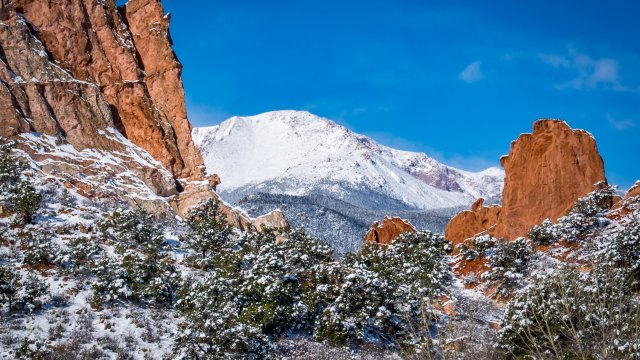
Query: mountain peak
(297, 152)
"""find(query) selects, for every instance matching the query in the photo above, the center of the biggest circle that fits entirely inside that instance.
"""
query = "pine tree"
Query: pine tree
(509, 264)
(16, 194)
(10, 284)
(33, 289)
(136, 229)
(40, 249)
(208, 228)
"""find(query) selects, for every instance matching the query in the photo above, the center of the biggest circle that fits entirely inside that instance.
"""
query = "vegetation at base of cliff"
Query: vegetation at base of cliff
(581, 221)
(570, 313)
(17, 193)
(257, 288)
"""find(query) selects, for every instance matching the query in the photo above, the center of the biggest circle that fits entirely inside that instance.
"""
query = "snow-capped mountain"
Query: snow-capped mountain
(298, 154)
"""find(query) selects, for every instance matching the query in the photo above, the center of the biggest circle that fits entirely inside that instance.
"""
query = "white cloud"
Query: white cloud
(622, 124)
(554, 60)
(471, 73)
(589, 73)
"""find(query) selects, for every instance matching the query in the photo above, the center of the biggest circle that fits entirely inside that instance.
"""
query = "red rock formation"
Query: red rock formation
(196, 192)
(86, 51)
(274, 219)
(390, 229)
(633, 191)
(477, 221)
(546, 172)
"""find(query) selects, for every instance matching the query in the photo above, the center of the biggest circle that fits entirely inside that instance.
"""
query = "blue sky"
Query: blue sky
(458, 81)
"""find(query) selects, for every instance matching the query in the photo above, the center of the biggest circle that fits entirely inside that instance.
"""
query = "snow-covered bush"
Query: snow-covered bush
(40, 248)
(477, 247)
(21, 292)
(585, 216)
(136, 229)
(10, 285)
(16, 193)
(383, 290)
(570, 314)
(623, 252)
(33, 290)
(81, 250)
(208, 228)
(509, 262)
(596, 202)
(134, 277)
(544, 234)
(258, 289)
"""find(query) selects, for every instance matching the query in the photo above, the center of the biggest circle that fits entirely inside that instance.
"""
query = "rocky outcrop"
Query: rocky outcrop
(546, 172)
(198, 191)
(479, 220)
(634, 191)
(388, 231)
(274, 219)
(72, 68)
(94, 96)
(65, 127)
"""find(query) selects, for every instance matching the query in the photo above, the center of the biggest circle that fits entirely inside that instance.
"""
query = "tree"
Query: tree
(509, 262)
(40, 249)
(33, 289)
(9, 284)
(573, 315)
(253, 291)
(208, 228)
(15, 193)
(383, 290)
(136, 229)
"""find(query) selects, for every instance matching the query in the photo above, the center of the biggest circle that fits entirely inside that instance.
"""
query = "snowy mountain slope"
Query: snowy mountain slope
(331, 181)
(298, 153)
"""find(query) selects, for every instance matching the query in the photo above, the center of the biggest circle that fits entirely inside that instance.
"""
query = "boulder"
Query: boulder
(388, 231)
(274, 220)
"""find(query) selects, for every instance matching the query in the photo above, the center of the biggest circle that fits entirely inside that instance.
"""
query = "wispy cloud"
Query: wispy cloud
(620, 124)
(590, 73)
(471, 73)
(556, 61)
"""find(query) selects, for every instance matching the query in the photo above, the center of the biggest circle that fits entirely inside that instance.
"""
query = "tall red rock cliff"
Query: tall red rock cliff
(546, 172)
(118, 60)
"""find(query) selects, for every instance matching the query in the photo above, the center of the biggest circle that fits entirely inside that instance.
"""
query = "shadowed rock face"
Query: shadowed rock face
(386, 233)
(95, 66)
(546, 172)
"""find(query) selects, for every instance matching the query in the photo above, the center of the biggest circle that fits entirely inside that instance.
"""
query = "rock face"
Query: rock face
(545, 173)
(633, 191)
(477, 221)
(386, 233)
(94, 96)
(73, 68)
(195, 192)
(274, 219)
